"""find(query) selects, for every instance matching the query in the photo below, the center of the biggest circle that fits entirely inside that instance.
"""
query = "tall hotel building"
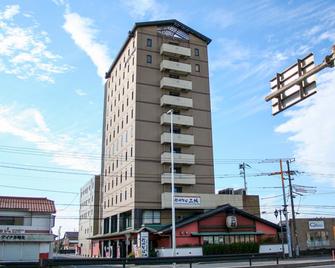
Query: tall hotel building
(162, 65)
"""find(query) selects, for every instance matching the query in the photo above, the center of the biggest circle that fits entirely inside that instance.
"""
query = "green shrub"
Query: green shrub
(236, 248)
(153, 253)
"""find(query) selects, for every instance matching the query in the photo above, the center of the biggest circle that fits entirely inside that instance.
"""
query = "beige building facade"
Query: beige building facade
(163, 65)
(88, 215)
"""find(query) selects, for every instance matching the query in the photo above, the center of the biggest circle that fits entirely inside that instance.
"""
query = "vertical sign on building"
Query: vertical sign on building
(145, 244)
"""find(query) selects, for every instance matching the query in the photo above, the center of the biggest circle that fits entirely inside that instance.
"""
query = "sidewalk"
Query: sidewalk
(327, 262)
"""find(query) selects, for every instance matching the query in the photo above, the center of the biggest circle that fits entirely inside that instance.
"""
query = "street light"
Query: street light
(172, 188)
(276, 212)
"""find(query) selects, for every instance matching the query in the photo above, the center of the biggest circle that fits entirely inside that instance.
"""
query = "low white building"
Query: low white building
(25, 228)
(89, 215)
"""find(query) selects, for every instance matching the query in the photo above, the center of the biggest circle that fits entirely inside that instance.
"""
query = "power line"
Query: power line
(37, 189)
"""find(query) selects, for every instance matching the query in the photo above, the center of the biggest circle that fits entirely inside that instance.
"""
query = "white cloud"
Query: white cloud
(9, 12)
(24, 49)
(312, 129)
(84, 35)
(65, 150)
(80, 92)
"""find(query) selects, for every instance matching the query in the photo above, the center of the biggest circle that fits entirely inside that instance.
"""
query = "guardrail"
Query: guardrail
(249, 258)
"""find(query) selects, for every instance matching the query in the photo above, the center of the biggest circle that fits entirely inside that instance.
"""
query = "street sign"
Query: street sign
(297, 92)
(297, 82)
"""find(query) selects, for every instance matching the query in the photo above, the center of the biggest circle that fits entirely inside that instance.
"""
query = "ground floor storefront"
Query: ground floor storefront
(24, 250)
(225, 225)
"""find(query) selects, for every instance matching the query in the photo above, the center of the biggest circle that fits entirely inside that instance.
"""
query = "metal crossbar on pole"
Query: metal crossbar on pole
(327, 62)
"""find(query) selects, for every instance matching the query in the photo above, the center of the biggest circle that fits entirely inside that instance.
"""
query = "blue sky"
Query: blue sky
(53, 55)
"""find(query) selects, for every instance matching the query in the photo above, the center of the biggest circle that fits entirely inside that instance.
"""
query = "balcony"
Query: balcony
(168, 100)
(179, 178)
(177, 139)
(181, 120)
(172, 83)
(176, 67)
(175, 51)
(186, 159)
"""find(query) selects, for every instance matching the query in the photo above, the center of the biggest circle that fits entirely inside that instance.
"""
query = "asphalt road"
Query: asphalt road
(317, 260)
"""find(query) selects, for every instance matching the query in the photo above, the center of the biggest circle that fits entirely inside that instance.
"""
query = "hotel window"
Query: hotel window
(197, 68)
(176, 150)
(196, 52)
(149, 59)
(151, 216)
(178, 189)
(120, 197)
(149, 42)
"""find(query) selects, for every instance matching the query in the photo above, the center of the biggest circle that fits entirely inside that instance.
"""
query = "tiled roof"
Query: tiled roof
(31, 204)
(223, 208)
(71, 235)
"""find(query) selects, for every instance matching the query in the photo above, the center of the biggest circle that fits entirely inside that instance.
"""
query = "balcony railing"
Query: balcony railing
(179, 178)
(182, 120)
(183, 139)
(176, 51)
(173, 83)
(168, 100)
(186, 159)
(175, 67)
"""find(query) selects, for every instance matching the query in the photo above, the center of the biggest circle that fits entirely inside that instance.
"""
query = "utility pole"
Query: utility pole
(59, 240)
(288, 235)
(295, 242)
(242, 172)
